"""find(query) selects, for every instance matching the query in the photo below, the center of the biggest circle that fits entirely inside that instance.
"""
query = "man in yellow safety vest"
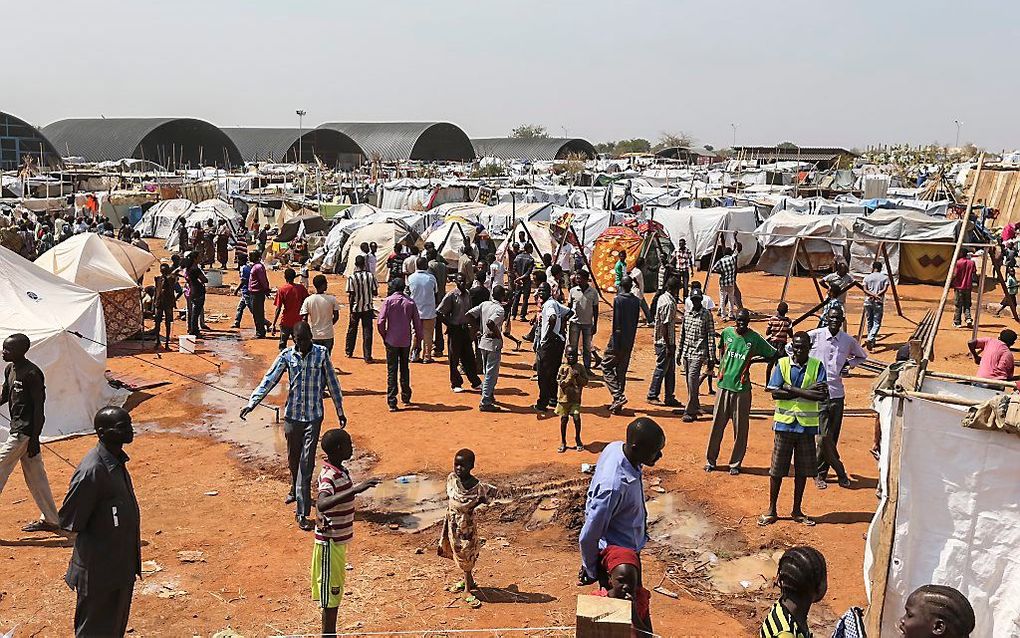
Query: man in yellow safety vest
(799, 388)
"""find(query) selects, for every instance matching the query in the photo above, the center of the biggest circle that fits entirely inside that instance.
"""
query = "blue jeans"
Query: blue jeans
(576, 332)
(490, 372)
(665, 371)
(873, 315)
(244, 302)
(302, 439)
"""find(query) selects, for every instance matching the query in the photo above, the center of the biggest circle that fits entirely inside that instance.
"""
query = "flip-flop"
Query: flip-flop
(807, 521)
(579, 447)
(562, 449)
(458, 586)
(767, 519)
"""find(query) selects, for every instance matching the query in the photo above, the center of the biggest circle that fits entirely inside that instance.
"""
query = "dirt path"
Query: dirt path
(253, 575)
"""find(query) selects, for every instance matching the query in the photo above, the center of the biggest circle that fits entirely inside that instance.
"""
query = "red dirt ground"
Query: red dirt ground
(254, 577)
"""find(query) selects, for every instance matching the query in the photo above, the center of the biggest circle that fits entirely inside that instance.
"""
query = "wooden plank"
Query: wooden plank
(601, 617)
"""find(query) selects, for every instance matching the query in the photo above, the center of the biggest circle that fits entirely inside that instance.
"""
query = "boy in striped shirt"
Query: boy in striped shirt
(334, 525)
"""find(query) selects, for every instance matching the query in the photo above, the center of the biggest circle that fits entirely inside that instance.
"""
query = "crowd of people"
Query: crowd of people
(465, 308)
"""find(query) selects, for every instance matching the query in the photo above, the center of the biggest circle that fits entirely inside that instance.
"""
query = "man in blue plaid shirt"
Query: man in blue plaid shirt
(310, 371)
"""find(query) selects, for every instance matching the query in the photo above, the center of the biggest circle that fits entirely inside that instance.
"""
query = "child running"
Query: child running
(571, 379)
(803, 581)
(334, 525)
(624, 582)
(460, 535)
(937, 611)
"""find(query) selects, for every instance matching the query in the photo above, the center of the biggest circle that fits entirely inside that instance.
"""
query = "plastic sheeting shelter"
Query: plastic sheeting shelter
(700, 227)
(822, 239)
(47, 308)
(924, 263)
(107, 266)
(329, 256)
(210, 209)
(160, 219)
(451, 236)
(386, 235)
(302, 225)
(956, 520)
(536, 233)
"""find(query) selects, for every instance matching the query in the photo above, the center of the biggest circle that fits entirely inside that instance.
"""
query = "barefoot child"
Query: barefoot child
(334, 526)
(571, 380)
(624, 582)
(460, 536)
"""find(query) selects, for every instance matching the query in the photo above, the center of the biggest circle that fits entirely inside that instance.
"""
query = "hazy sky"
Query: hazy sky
(848, 73)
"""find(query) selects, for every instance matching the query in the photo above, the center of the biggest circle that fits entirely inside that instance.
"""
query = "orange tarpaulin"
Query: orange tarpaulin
(607, 246)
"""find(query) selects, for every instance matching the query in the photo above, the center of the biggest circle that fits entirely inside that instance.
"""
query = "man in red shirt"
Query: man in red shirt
(963, 282)
(289, 298)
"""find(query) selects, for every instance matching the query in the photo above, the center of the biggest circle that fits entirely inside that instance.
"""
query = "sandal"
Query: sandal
(805, 520)
(458, 586)
(40, 526)
(579, 447)
(767, 519)
(562, 449)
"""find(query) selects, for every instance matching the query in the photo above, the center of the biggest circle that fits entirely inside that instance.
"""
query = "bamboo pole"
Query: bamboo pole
(963, 377)
(980, 295)
(892, 280)
(952, 266)
(789, 272)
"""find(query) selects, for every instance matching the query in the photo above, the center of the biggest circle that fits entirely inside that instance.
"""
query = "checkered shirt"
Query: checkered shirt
(727, 269)
(698, 336)
(308, 376)
(684, 260)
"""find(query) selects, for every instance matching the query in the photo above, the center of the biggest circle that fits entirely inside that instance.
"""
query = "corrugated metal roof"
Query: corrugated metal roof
(534, 149)
(274, 144)
(99, 139)
(30, 141)
(393, 141)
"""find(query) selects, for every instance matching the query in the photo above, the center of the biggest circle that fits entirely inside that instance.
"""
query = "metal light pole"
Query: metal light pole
(958, 125)
(301, 133)
(734, 127)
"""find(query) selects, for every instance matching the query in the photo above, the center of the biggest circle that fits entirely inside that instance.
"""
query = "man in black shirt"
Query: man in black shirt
(626, 311)
(101, 508)
(522, 266)
(24, 389)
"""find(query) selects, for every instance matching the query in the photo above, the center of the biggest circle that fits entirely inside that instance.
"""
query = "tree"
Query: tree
(620, 147)
(680, 138)
(529, 132)
(789, 146)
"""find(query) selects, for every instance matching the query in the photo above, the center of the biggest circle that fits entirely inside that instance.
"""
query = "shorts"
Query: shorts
(329, 569)
(799, 447)
(568, 409)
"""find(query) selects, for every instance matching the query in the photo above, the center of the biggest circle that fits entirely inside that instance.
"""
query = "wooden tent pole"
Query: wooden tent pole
(811, 272)
(711, 263)
(952, 266)
(892, 280)
(789, 271)
(980, 295)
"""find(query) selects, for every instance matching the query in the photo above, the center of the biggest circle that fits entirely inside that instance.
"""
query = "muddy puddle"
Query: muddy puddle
(410, 503)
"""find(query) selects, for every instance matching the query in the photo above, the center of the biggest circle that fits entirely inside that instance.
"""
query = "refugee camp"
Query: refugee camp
(431, 320)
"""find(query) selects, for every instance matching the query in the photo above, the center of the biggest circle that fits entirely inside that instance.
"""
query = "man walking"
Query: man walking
(258, 288)
(875, 285)
(361, 289)
(684, 260)
(665, 346)
(798, 386)
(423, 290)
(963, 281)
(836, 350)
(24, 392)
(549, 343)
(453, 311)
(101, 509)
(614, 510)
(626, 314)
(584, 301)
(697, 349)
(309, 372)
(439, 270)
(289, 298)
(726, 266)
(740, 347)
(522, 266)
(397, 317)
(321, 311)
(489, 317)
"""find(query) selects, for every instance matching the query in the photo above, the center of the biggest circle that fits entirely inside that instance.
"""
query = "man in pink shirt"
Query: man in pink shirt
(963, 282)
(995, 360)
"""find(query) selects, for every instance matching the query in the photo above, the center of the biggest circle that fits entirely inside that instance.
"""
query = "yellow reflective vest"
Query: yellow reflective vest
(799, 410)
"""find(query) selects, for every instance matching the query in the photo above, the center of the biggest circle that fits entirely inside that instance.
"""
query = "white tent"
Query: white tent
(451, 236)
(823, 237)
(386, 235)
(159, 220)
(47, 309)
(210, 209)
(328, 256)
(701, 226)
(894, 224)
(97, 262)
(537, 232)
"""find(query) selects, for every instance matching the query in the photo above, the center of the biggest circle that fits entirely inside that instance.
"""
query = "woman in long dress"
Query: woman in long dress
(460, 534)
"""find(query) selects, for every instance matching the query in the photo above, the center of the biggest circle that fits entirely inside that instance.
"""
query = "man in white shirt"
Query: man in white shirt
(637, 275)
(496, 273)
(422, 288)
(321, 311)
(875, 285)
(371, 259)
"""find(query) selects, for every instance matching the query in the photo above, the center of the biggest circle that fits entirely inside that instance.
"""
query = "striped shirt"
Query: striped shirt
(779, 623)
(778, 330)
(361, 287)
(308, 376)
(337, 523)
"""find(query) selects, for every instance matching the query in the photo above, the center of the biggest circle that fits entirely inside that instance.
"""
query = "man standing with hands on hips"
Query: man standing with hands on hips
(101, 508)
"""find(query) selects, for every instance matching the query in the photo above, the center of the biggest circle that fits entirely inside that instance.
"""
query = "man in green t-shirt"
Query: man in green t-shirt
(739, 347)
